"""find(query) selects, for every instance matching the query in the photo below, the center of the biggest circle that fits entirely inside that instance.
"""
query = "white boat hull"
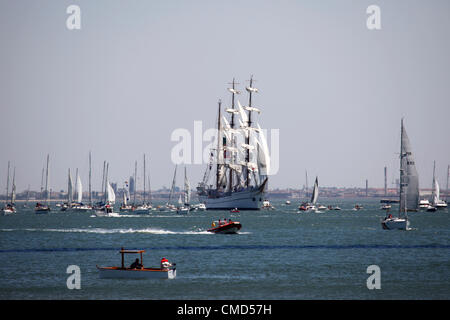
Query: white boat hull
(395, 223)
(118, 273)
(243, 200)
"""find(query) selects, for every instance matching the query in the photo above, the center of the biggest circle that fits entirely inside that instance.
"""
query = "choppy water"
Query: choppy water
(279, 254)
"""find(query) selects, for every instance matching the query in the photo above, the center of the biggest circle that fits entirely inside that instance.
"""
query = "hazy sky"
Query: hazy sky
(138, 70)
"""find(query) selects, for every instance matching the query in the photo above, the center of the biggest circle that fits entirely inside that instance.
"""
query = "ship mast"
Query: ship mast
(219, 136)
(250, 90)
(233, 92)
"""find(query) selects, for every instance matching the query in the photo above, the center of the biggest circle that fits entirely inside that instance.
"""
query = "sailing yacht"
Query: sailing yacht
(44, 208)
(409, 187)
(241, 157)
(143, 208)
(311, 206)
(125, 197)
(436, 203)
(79, 206)
(185, 207)
(9, 208)
(169, 206)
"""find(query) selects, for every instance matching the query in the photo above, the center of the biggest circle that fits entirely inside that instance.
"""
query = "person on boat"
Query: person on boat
(165, 264)
(136, 264)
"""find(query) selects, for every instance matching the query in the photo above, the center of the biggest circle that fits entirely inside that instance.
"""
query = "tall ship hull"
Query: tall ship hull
(247, 199)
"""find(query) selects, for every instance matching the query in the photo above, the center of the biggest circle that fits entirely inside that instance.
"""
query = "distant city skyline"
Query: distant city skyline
(135, 72)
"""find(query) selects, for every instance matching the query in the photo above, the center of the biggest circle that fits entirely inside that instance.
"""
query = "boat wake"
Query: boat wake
(110, 231)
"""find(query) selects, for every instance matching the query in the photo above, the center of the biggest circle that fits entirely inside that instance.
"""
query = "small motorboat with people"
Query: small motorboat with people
(137, 270)
(266, 205)
(288, 203)
(357, 207)
(306, 207)
(322, 208)
(225, 226)
(8, 209)
(41, 208)
(391, 222)
(235, 210)
(386, 206)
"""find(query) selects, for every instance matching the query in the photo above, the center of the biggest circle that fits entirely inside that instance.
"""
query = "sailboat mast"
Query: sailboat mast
(446, 193)
(103, 176)
(402, 200)
(135, 183)
(143, 201)
(42, 183)
(106, 180)
(13, 188)
(90, 175)
(7, 185)
(433, 187)
(219, 136)
(231, 136)
(46, 181)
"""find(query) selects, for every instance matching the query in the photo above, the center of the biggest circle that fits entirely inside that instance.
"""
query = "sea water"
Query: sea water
(278, 254)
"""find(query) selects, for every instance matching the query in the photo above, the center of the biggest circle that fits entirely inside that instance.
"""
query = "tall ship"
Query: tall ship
(239, 162)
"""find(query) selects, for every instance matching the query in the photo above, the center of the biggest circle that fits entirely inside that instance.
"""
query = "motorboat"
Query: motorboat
(225, 227)
(266, 205)
(287, 203)
(235, 210)
(307, 207)
(183, 210)
(165, 271)
(41, 208)
(386, 207)
(424, 204)
(9, 209)
(391, 223)
(357, 207)
(431, 208)
(321, 208)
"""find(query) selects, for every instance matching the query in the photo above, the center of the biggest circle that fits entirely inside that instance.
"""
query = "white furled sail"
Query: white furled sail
(79, 188)
(409, 179)
(70, 189)
(315, 193)
(187, 189)
(436, 192)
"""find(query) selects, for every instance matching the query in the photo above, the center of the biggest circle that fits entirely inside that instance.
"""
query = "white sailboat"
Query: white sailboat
(409, 187)
(436, 203)
(79, 206)
(184, 208)
(44, 208)
(9, 208)
(311, 206)
(143, 208)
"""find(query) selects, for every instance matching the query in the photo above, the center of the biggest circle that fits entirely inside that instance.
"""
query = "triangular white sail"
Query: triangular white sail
(409, 177)
(110, 195)
(263, 157)
(315, 193)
